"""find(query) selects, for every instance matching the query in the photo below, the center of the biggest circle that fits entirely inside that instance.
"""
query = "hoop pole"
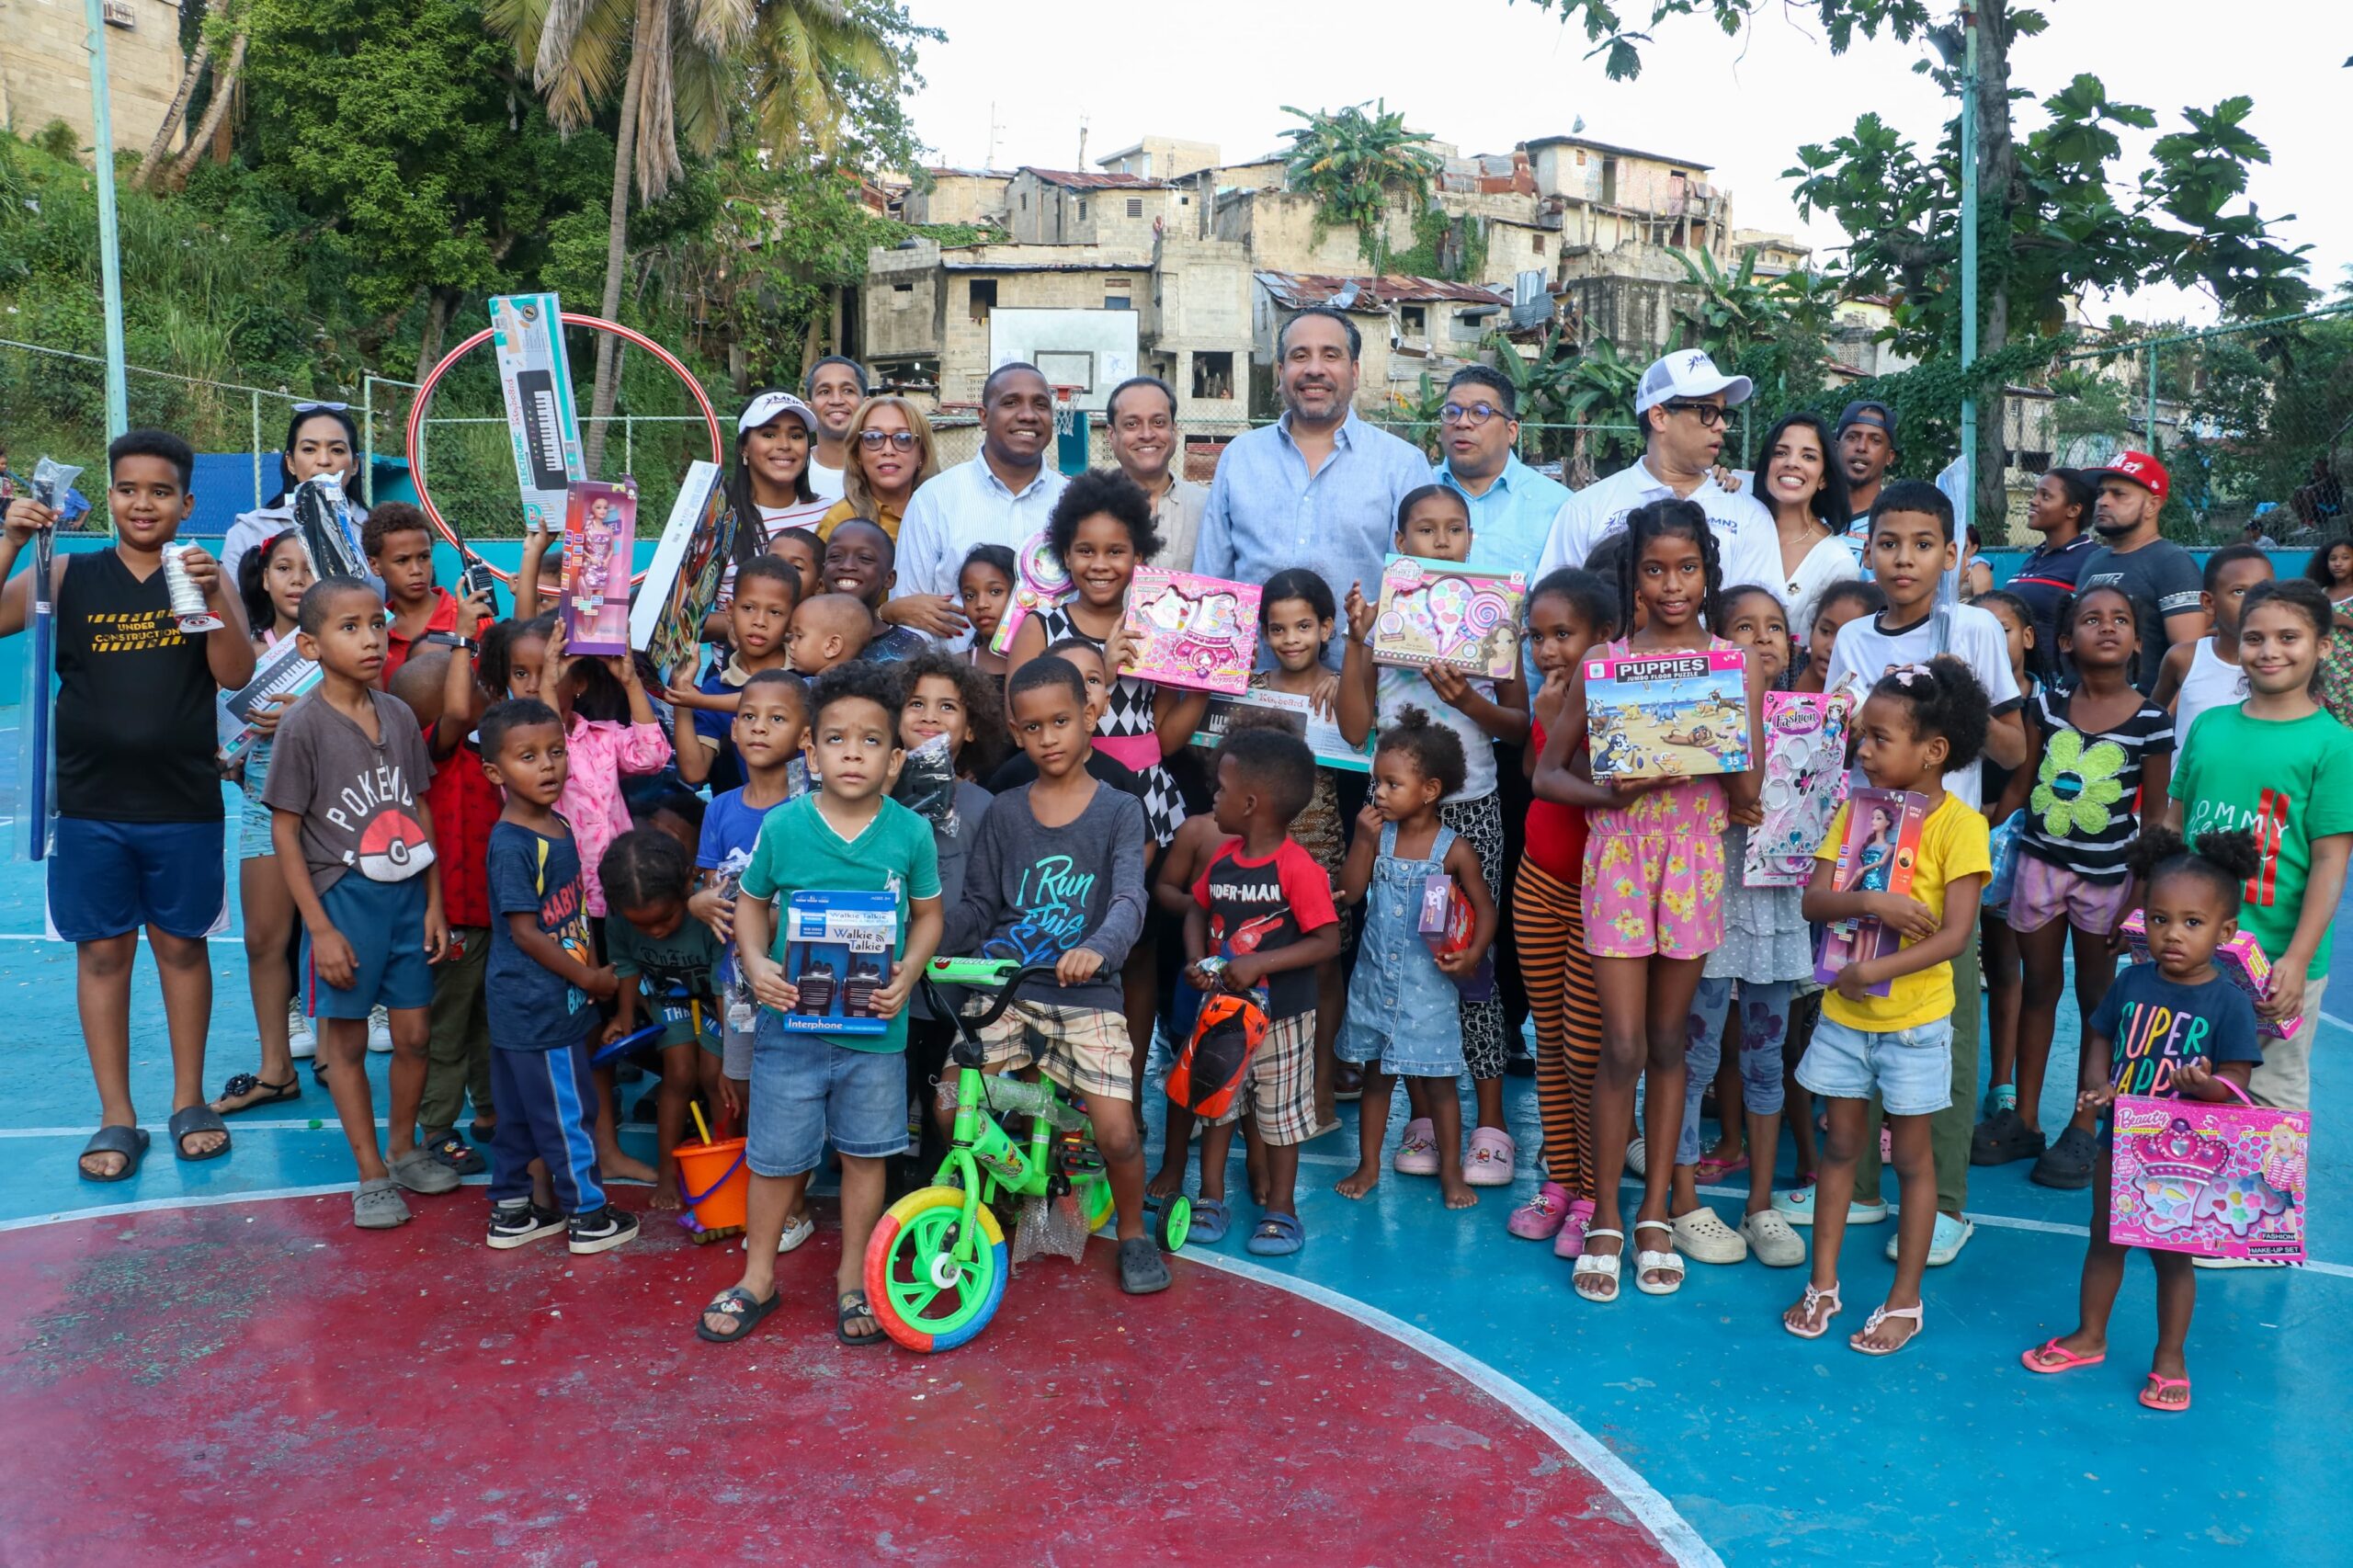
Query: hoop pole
(416, 445)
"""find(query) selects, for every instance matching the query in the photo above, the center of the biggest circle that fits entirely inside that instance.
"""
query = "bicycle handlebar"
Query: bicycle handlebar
(1005, 976)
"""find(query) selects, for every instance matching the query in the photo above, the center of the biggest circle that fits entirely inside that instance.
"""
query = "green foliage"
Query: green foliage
(1454, 249)
(1926, 398)
(1351, 161)
(1620, 46)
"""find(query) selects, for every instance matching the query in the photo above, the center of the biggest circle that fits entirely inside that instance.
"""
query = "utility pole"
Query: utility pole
(1969, 262)
(110, 251)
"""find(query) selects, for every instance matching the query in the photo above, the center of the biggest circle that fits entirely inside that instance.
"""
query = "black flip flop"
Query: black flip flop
(246, 1083)
(197, 1118)
(745, 1310)
(130, 1142)
(852, 1306)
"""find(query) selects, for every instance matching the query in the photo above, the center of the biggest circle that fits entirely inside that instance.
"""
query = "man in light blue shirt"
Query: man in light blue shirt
(1002, 497)
(1319, 487)
(1512, 505)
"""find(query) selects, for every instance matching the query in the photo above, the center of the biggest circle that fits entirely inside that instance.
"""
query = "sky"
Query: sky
(1485, 74)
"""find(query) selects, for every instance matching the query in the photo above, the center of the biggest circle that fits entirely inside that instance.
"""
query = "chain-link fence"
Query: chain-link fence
(2253, 421)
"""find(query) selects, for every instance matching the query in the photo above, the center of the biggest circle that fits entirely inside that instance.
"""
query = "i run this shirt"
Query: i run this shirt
(1034, 893)
(2289, 782)
(1264, 906)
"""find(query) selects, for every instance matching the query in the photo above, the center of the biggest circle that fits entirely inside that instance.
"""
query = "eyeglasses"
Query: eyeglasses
(903, 440)
(323, 408)
(1711, 414)
(1469, 414)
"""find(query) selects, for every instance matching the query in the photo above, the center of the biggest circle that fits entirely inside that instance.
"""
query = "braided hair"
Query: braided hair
(1669, 519)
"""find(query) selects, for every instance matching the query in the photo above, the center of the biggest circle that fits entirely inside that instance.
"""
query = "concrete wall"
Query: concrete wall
(904, 298)
(1162, 157)
(1043, 213)
(960, 198)
(45, 68)
(1201, 304)
(1280, 226)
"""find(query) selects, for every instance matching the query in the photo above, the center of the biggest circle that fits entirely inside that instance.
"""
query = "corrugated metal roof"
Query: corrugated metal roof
(1536, 142)
(1071, 179)
(1299, 289)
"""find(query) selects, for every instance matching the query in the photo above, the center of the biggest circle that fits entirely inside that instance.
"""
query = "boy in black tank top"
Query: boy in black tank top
(138, 820)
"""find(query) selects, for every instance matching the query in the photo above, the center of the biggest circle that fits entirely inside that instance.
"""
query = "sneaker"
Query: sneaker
(2003, 1138)
(1703, 1237)
(601, 1230)
(379, 1031)
(378, 1206)
(2068, 1163)
(1772, 1240)
(522, 1221)
(1945, 1245)
(796, 1231)
(1539, 1219)
(298, 1037)
(1796, 1206)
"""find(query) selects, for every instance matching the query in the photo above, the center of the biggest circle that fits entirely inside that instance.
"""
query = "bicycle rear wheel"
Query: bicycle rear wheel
(924, 1296)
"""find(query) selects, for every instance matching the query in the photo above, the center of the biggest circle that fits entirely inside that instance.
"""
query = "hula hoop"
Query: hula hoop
(571, 318)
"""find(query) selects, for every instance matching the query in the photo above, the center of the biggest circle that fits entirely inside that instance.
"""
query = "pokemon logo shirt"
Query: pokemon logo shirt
(357, 797)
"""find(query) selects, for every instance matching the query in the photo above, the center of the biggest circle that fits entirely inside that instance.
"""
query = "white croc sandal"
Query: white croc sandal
(1645, 1262)
(1591, 1265)
(1813, 1299)
(1880, 1315)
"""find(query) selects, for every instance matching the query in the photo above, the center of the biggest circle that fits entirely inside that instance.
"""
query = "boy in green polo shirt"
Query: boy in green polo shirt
(808, 1090)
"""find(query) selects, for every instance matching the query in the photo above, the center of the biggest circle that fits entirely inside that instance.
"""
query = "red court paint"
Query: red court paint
(262, 1380)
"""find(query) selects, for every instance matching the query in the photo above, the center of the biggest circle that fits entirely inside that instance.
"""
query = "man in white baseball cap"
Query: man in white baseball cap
(1681, 404)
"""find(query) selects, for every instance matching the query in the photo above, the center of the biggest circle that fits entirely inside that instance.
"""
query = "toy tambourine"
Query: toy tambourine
(1041, 581)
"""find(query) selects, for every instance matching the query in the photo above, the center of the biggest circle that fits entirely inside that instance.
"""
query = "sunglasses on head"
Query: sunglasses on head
(323, 408)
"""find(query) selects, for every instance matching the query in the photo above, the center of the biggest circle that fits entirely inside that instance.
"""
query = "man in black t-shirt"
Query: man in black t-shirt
(138, 820)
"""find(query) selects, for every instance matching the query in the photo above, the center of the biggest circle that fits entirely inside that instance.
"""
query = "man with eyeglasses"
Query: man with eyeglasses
(1512, 505)
(1319, 487)
(1682, 402)
(835, 388)
(1140, 422)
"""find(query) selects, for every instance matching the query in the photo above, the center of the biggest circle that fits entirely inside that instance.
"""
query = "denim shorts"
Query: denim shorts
(808, 1091)
(1911, 1069)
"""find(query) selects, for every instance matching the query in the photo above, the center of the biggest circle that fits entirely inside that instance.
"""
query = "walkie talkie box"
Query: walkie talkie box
(837, 954)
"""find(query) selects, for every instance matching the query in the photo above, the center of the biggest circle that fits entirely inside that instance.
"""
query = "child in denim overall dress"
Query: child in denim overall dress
(1405, 1007)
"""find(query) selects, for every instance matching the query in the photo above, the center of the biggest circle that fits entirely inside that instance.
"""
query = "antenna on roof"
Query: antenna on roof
(1081, 164)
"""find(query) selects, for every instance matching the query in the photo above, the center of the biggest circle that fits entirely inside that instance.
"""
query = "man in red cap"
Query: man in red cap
(2160, 577)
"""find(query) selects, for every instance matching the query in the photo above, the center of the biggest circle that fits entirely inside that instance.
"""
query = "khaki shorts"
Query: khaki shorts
(1086, 1049)
(1279, 1086)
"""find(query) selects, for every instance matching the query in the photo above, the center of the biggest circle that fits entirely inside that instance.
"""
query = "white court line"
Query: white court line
(1643, 1501)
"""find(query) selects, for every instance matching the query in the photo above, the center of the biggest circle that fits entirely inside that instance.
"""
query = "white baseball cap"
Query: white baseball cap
(769, 406)
(1688, 372)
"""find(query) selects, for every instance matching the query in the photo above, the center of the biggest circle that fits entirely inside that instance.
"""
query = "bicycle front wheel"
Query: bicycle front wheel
(924, 1295)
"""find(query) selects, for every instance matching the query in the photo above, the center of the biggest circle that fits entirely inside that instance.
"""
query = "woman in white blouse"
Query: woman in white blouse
(1807, 493)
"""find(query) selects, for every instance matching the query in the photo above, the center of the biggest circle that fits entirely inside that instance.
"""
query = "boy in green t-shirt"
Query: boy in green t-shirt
(848, 1090)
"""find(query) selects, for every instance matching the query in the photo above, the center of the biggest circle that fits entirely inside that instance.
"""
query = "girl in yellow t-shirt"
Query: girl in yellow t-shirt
(1919, 722)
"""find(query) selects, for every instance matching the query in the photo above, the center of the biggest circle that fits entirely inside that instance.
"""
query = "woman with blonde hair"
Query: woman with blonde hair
(890, 452)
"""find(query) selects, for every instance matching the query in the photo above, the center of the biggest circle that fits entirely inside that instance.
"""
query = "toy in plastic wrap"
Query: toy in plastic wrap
(2241, 960)
(52, 483)
(2209, 1177)
(1443, 612)
(330, 532)
(926, 784)
(1320, 731)
(1805, 783)
(1879, 854)
(281, 675)
(1446, 923)
(1039, 583)
(1197, 632)
(837, 954)
(599, 524)
(1668, 715)
(536, 377)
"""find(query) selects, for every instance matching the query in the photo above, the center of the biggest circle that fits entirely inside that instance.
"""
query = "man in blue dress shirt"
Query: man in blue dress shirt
(1512, 505)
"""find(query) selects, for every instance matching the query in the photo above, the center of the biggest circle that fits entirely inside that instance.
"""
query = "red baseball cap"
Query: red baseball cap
(2140, 468)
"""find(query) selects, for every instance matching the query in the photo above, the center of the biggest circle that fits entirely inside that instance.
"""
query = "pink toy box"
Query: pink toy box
(1805, 783)
(1881, 847)
(1197, 632)
(1443, 612)
(2241, 960)
(1668, 715)
(600, 528)
(2210, 1178)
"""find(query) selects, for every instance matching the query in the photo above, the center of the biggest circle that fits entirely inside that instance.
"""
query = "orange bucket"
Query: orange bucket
(713, 1182)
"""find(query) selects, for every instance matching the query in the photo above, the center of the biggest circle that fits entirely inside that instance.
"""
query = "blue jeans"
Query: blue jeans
(1763, 1022)
(808, 1090)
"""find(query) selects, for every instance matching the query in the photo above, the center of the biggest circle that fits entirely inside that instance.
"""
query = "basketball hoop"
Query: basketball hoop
(433, 378)
(1069, 430)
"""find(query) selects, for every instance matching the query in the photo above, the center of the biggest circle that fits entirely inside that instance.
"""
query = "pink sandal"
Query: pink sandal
(2051, 1356)
(1541, 1218)
(1710, 1170)
(1417, 1151)
(1494, 1158)
(2157, 1386)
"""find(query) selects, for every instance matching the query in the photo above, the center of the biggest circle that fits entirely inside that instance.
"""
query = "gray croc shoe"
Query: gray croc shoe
(1142, 1268)
(420, 1172)
(378, 1206)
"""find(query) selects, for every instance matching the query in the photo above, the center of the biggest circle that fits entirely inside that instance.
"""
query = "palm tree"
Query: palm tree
(217, 20)
(1600, 388)
(1350, 161)
(681, 66)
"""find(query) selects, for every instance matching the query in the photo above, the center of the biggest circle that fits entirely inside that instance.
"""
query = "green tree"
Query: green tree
(1351, 162)
(401, 124)
(681, 68)
(2058, 218)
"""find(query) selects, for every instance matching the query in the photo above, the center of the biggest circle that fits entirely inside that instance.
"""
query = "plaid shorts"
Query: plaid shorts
(1086, 1049)
(1278, 1085)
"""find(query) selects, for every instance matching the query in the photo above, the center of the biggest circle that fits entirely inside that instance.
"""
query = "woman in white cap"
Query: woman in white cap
(769, 484)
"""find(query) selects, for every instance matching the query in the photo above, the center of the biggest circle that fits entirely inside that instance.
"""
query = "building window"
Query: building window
(1536, 244)
(1135, 206)
(1213, 375)
(1468, 328)
(1025, 201)
(983, 298)
(1081, 209)
(1413, 321)
(1117, 296)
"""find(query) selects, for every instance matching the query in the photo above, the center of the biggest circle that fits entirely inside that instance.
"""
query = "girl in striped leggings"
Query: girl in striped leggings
(1567, 613)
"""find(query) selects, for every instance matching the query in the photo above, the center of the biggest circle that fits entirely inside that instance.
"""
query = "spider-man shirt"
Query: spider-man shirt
(1258, 906)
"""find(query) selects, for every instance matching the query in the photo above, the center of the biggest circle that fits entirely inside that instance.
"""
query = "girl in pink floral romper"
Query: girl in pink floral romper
(1654, 893)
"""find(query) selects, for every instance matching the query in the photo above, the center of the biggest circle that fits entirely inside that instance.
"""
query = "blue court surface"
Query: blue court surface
(1703, 1423)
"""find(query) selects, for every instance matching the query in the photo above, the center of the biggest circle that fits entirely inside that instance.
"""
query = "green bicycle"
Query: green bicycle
(937, 1264)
